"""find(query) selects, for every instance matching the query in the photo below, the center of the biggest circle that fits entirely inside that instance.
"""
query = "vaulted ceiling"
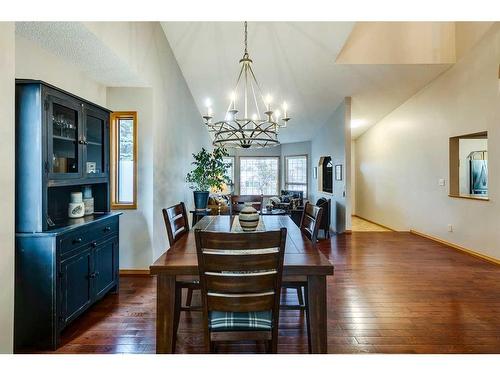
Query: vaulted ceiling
(313, 65)
(297, 61)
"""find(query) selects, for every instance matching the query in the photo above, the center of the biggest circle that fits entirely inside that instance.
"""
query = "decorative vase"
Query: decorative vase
(88, 200)
(201, 199)
(249, 218)
(76, 208)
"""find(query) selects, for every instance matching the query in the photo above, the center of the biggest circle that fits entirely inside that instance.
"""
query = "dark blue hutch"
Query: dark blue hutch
(63, 265)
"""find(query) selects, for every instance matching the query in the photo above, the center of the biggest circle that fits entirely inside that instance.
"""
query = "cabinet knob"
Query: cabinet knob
(93, 244)
(107, 229)
(77, 240)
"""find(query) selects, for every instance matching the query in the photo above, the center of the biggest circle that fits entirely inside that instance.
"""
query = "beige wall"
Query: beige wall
(400, 43)
(7, 94)
(400, 160)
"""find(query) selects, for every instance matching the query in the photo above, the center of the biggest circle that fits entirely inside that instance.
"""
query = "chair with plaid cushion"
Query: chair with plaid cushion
(240, 277)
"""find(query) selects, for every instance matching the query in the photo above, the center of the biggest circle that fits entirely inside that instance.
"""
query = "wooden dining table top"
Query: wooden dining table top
(301, 256)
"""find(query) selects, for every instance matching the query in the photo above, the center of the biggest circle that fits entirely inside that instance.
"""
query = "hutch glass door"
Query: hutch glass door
(95, 139)
(64, 143)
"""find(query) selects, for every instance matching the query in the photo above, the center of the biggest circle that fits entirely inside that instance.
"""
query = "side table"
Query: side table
(198, 214)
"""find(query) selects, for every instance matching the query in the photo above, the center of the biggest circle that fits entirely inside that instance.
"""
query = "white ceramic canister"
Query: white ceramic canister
(249, 218)
(76, 207)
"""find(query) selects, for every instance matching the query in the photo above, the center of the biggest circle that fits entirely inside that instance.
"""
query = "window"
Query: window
(469, 166)
(296, 173)
(124, 160)
(259, 175)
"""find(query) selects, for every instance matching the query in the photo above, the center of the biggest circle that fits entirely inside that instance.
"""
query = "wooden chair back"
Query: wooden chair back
(176, 222)
(238, 202)
(241, 272)
(310, 222)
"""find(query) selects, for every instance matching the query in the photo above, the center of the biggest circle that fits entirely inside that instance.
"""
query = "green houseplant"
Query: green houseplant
(209, 173)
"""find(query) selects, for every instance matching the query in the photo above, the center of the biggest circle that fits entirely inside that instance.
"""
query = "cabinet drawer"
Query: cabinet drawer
(94, 235)
(106, 228)
(75, 240)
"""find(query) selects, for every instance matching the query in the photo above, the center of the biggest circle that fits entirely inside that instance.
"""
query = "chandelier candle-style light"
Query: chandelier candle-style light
(249, 130)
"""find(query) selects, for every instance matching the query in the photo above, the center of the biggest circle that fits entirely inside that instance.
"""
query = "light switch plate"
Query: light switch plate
(442, 182)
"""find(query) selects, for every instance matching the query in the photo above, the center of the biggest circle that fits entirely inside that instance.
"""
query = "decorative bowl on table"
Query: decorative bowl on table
(249, 218)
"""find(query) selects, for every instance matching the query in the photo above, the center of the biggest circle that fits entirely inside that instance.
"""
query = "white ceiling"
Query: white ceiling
(74, 42)
(294, 61)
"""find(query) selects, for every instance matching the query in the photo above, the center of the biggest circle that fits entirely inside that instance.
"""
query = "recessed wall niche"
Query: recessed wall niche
(469, 166)
(325, 174)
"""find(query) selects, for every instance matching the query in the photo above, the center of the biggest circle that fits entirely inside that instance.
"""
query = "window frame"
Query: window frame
(278, 158)
(295, 183)
(115, 117)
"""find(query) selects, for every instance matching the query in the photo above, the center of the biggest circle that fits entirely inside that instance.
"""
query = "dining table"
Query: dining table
(303, 261)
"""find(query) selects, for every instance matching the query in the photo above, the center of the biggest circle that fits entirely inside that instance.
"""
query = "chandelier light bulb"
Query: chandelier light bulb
(208, 103)
(285, 108)
(254, 117)
(232, 96)
(210, 111)
(269, 100)
(277, 115)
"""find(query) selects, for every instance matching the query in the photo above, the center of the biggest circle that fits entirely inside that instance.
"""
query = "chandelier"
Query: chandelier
(259, 125)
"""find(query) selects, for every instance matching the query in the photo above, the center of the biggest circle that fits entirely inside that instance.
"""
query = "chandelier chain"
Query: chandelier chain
(246, 38)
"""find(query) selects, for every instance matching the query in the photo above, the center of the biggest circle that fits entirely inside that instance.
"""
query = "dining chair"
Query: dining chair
(240, 277)
(238, 202)
(177, 224)
(325, 218)
(309, 226)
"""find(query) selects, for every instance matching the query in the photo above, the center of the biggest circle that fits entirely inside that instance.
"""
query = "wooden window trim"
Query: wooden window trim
(307, 171)
(115, 116)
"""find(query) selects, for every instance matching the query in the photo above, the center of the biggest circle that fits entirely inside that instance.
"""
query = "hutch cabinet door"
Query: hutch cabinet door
(96, 142)
(75, 285)
(64, 143)
(106, 266)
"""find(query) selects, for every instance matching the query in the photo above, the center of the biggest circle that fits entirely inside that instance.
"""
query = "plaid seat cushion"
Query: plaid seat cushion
(240, 321)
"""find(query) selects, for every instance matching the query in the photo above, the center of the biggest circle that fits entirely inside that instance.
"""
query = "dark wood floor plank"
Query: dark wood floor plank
(391, 293)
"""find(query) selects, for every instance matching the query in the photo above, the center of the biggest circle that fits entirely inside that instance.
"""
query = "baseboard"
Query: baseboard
(458, 247)
(134, 272)
(374, 222)
(348, 231)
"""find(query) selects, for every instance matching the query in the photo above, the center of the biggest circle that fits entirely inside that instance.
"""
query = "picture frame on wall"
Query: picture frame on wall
(338, 172)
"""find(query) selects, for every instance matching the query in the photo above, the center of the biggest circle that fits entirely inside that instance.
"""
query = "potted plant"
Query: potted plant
(209, 173)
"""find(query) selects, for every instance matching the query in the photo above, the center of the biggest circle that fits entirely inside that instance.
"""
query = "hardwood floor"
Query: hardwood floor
(392, 292)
